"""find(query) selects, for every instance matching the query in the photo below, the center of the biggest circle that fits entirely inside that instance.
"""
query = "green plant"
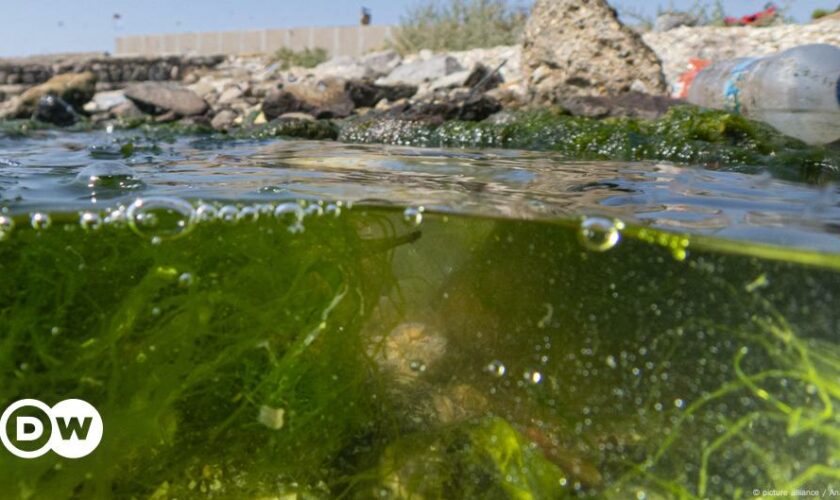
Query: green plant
(306, 58)
(459, 25)
(820, 13)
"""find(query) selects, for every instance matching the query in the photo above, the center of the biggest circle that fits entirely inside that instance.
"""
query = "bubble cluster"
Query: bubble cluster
(599, 234)
(165, 218)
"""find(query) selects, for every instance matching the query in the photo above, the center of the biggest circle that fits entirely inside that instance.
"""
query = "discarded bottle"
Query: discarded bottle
(796, 91)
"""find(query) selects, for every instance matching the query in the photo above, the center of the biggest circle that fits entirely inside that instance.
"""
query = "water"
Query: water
(255, 319)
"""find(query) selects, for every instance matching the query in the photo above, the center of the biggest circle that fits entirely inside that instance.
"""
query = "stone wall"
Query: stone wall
(106, 69)
(336, 40)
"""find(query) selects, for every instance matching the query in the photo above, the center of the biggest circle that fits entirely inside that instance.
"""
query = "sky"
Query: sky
(50, 26)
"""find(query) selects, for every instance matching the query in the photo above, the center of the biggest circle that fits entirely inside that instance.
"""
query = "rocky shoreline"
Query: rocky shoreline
(576, 56)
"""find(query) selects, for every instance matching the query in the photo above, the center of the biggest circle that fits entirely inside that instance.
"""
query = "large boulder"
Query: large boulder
(579, 47)
(74, 89)
(52, 109)
(324, 98)
(160, 98)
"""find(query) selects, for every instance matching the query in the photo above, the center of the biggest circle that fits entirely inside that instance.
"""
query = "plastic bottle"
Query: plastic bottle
(796, 91)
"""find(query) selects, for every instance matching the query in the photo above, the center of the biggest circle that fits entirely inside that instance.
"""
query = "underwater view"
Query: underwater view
(420, 250)
(271, 318)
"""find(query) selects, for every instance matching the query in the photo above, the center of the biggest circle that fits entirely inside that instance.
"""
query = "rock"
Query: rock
(127, 110)
(297, 116)
(479, 74)
(367, 95)
(73, 89)
(105, 101)
(670, 20)
(381, 63)
(458, 106)
(326, 98)
(52, 109)
(343, 67)
(230, 95)
(630, 104)
(579, 47)
(422, 71)
(223, 120)
(158, 98)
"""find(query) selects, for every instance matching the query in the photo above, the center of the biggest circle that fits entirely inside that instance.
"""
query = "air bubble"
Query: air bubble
(248, 213)
(228, 213)
(315, 209)
(159, 217)
(333, 209)
(265, 209)
(496, 368)
(290, 214)
(90, 221)
(108, 175)
(533, 376)
(206, 213)
(599, 234)
(40, 220)
(185, 280)
(413, 216)
(6, 226)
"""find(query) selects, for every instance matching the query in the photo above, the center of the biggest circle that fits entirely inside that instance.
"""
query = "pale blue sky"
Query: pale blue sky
(42, 26)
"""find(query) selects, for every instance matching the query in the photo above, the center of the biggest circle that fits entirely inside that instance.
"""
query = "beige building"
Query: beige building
(337, 41)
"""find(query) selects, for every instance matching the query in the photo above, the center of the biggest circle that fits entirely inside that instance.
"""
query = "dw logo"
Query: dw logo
(71, 428)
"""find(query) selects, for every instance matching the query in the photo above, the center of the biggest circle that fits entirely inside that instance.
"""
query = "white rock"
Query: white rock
(105, 101)
(423, 71)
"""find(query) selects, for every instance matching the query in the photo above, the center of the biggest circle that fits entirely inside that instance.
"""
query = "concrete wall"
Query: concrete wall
(337, 41)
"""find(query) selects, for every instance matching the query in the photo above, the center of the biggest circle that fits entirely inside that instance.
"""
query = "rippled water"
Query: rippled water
(53, 172)
(264, 318)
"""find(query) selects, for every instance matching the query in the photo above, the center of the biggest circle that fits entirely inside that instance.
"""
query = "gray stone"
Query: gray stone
(381, 63)
(230, 95)
(579, 47)
(342, 67)
(670, 20)
(326, 98)
(127, 110)
(367, 95)
(223, 120)
(105, 101)
(422, 71)
(158, 98)
(479, 74)
(629, 104)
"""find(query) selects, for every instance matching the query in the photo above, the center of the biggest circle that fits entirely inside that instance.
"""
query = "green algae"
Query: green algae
(684, 134)
(246, 360)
